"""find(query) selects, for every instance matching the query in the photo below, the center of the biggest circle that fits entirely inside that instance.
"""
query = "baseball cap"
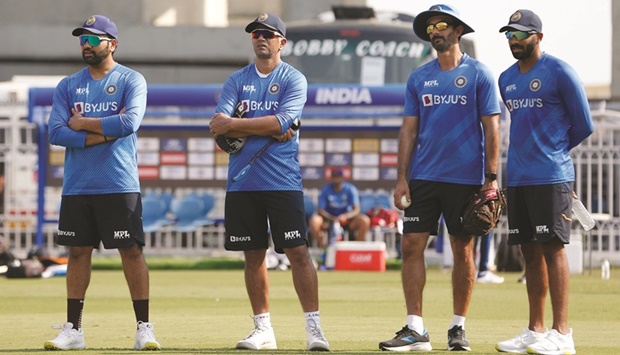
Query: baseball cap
(98, 24)
(337, 172)
(420, 22)
(268, 20)
(523, 20)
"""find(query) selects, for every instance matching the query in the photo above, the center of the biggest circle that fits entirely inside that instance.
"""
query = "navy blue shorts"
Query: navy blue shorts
(539, 213)
(114, 220)
(429, 200)
(251, 216)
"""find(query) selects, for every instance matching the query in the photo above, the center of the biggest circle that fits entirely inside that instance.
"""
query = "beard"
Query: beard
(526, 51)
(444, 45)
(96, 58)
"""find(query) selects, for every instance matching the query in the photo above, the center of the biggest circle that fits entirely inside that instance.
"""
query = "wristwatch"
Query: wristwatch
(491, 176)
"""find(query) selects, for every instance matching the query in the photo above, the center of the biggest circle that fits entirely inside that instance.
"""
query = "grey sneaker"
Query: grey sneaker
(457, 340)
(407, 340)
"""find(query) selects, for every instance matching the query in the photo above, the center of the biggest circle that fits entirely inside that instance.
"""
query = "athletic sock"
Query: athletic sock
(74, 312)
(415, 323)
(141, 309)
(457, 320)
(263, 319)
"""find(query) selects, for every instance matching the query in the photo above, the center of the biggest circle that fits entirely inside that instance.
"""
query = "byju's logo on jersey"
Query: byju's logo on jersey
(516, 104)
(110, 89)
(85, 107)
(431, 100)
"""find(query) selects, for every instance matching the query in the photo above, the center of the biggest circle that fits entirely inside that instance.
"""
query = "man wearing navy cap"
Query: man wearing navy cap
(448, 151)
(95, 115)
(550, 115)
(268, 202)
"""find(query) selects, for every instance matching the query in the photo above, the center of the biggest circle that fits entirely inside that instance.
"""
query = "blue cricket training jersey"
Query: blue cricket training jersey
(338, 202)
(109, 167)
(549, 115)
(282, 93)
(449, 106)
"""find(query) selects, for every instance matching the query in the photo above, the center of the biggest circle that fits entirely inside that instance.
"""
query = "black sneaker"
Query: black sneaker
(457, 340)
(407, 340)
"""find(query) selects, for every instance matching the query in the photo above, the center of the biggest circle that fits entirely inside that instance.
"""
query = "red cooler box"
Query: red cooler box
(363, 256)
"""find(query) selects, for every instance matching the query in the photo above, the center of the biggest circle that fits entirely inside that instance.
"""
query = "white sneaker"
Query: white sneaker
(261, 337)
(145, 337)
(68, 338)
(554, 343)
(315, 340)
(519, 344)
(489, 278)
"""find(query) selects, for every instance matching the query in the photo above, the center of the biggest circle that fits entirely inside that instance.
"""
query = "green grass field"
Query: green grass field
(207, 311)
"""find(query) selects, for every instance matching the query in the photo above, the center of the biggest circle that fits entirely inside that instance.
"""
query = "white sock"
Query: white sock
(457, 320)
(263, 319)
(415, 323)
(312, 319)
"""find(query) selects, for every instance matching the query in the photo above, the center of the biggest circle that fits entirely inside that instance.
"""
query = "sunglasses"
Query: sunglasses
(267, 34)
(440, 26)
(519, 35)
(93, 40)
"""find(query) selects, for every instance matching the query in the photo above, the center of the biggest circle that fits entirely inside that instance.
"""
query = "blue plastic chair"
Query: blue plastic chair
(187, 212)
(383, 200)
(153, 213)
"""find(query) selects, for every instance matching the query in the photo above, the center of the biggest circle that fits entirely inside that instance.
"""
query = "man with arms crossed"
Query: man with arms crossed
(95, 115)
(550, 115)
(268, 198)
(448, 150)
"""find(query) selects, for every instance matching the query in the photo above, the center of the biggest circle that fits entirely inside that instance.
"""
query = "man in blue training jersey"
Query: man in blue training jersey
(550, 115)
(339, 201)
(448, 150)
(264, 192)
(95, 115)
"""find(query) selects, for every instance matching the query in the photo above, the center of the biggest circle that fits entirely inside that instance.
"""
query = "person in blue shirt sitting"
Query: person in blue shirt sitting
(339, 203)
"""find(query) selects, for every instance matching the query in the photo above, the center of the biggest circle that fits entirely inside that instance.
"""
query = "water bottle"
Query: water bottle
(582, 214)
(605, 270)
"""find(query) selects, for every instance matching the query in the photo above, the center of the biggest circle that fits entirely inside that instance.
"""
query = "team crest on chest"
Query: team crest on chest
(535, 84)
(460, 81)
(110, 89)
(274, 88)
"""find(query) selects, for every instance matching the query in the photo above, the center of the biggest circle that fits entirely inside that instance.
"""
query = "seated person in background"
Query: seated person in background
(339, 202)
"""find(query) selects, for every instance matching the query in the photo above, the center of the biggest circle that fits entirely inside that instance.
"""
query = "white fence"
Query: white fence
(597, 164)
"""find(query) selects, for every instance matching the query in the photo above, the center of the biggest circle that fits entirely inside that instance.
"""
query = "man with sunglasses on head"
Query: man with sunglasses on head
(448, 151)
(267, 200)
(550, 115)
(96, 113)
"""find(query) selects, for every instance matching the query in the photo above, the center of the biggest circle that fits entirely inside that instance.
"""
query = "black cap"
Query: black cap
(420, 22)
(267, 20)
(523, 20)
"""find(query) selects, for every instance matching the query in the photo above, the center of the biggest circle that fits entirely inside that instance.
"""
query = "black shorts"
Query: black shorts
(429, 200)
(250, 216)
(113, 219)
(539, 212)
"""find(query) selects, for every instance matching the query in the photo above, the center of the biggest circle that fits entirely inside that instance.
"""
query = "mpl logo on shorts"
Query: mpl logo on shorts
(292, 235)
(542, 229)
(121, 235)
